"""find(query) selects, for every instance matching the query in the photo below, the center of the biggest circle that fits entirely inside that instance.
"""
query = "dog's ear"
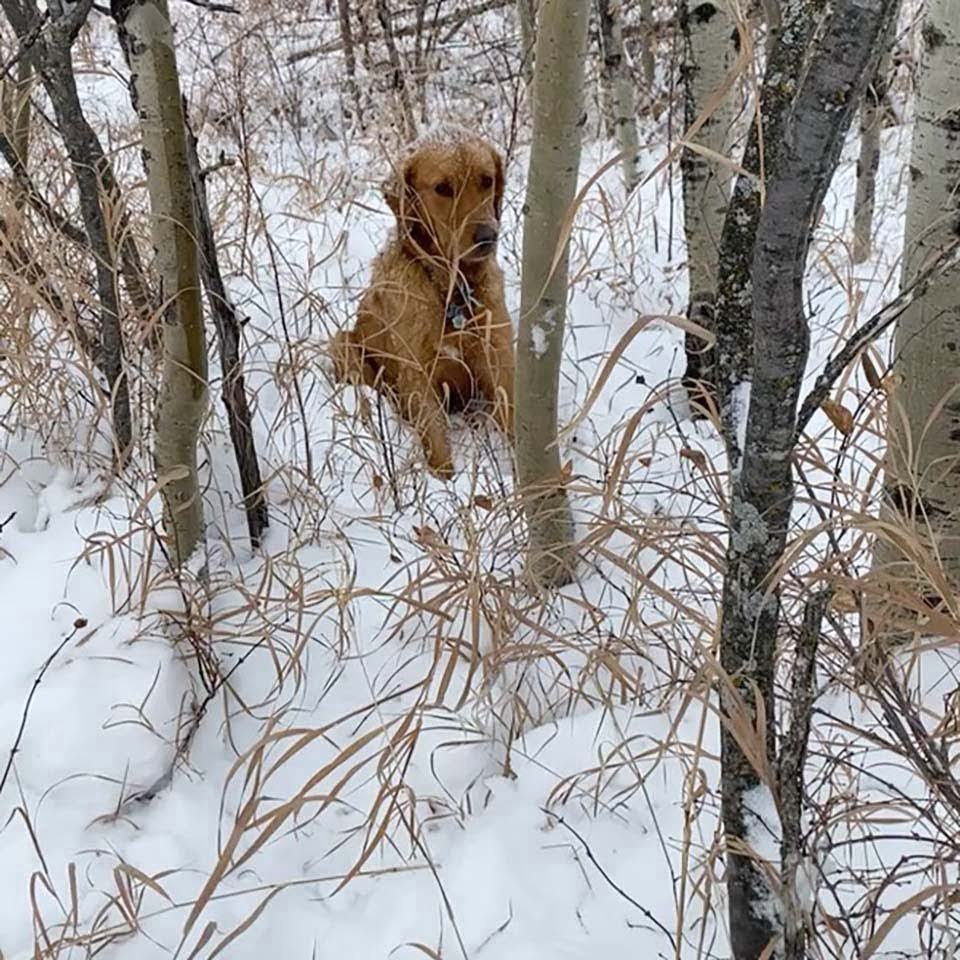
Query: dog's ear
(498, 183)
(398, 191)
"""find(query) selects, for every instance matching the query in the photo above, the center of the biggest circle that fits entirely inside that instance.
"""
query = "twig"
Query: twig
(223, 162)
(450, 19)
(623, 893)
(873, 328)
(78, 624)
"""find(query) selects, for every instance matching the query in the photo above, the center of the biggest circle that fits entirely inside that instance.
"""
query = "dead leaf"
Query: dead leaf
(870, 371)
(839, 416)
(697, 457)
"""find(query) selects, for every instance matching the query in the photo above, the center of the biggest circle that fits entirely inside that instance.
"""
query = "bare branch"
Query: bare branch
(214, 7)
(25, 44)
(57, 220)
(873, 328)
(78, 624)
(451, 19)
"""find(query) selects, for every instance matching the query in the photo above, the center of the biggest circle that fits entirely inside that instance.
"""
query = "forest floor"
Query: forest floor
(343, 791)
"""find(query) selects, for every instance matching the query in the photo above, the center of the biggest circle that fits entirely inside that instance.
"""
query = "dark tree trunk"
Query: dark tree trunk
(871, 123)
(734, 304)
(49, 49)
(94, 177)
(227, 325)
(843, 57)
(398, 74)
(350, 59)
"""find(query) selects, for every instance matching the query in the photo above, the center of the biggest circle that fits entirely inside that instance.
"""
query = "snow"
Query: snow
(740, 408)
(542, 332)
(348, 790)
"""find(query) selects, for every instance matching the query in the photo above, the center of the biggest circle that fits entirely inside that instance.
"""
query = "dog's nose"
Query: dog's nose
(484, 235)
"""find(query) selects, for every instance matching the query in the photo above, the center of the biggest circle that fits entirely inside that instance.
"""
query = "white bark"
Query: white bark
(147, 38)
(708, 31)
(923, 479)
(619, 100)
(551, 187)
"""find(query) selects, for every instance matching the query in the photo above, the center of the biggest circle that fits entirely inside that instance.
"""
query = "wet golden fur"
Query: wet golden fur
(447, 197)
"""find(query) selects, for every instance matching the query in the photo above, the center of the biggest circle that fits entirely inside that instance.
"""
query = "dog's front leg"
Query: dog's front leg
(490, 358)
(421, 408)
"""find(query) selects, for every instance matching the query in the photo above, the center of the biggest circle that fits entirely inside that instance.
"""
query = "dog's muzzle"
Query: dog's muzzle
(484, 239)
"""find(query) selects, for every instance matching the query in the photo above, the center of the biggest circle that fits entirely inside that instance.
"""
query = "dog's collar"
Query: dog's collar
(461, 305)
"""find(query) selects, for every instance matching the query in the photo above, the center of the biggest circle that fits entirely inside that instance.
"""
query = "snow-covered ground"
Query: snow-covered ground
(341, 789)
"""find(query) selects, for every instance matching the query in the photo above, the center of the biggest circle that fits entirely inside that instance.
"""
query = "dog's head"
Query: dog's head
(447, 196)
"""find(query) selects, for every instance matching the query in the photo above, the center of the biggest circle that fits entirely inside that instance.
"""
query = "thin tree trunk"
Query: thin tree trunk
(842, 59)
(399, 76)
(708, 32)
(922, 483)
(147, 39)
(551, 187)
(647, 40)
(228, 337)
(527, 16)
(619, 102)
(49, 51)
(793, 758)
(734, 305)
(15, 107)
(16, 114)
(421, 51)
(94, 183)
(350, 59)
(871, 123)
(15, 148)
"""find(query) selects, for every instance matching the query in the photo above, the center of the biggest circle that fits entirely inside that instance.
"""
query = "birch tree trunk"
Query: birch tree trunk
(923, 482)
(708, 32)
(619, 101)
(761, 160)
(871, 123)
(527, 17)
(147, 38)
(551, 187)
(842, 58)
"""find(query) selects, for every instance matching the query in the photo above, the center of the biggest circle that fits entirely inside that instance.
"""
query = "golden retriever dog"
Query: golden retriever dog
(432, 331)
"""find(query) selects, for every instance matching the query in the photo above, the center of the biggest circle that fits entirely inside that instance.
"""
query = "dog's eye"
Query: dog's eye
(444, 189)
(486, 181)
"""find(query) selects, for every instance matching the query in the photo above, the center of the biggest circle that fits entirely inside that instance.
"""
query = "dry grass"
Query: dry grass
(461, 654)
